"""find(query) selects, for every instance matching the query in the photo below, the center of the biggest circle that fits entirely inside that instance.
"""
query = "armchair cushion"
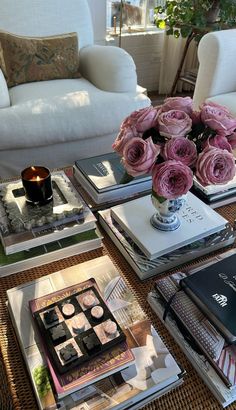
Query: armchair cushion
(28, 59)
(108, 68)
(4, 93)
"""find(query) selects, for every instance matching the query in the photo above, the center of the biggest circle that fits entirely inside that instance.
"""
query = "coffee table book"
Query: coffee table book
(216, 200)
(128, 388)
(146, 268)
(23, 226)
(223, 393)
(197, 221)
(50, 252)
(213, 290)
(101, 175)
(214, 189)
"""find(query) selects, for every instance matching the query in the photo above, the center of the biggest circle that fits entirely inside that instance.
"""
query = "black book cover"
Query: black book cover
(105, 172)
(214, 290)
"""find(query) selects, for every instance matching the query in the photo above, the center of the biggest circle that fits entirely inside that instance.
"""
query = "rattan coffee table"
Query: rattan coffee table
(15, 389)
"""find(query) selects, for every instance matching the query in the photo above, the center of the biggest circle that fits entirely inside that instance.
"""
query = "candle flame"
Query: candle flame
(37, 178)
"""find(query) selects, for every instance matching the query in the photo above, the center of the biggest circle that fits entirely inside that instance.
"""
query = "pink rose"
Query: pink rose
(232, 140)
(139, 156)
(141, 120)
(181, 149)
(171, 179)
(122, 138)
(218, 118)
(218, 141)
(178, 103)
(215, 166)
(174, 123)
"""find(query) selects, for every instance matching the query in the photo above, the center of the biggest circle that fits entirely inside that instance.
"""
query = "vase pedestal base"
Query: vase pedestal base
(165, 224)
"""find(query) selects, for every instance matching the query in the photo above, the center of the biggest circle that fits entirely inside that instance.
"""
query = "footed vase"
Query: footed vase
(166, 218)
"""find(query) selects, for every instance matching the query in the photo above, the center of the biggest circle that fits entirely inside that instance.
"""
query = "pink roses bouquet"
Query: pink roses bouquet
(173, 143)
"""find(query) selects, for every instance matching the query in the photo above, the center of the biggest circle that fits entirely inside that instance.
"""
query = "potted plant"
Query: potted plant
(183, 17)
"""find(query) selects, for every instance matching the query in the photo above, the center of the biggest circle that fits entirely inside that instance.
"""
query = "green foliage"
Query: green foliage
(41, 379)
(182, 17)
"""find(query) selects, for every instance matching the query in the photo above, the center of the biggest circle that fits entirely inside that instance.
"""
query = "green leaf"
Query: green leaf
(161, 199)
(126, 178)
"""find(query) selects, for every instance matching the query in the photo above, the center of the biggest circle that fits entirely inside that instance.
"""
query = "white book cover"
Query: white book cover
(146, 268)
(197, 221)
(213, 189)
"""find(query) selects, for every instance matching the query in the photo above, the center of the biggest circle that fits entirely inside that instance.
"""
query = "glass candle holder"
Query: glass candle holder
(37, 184)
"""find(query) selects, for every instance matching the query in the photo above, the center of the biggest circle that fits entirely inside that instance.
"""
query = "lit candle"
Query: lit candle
(36, 181)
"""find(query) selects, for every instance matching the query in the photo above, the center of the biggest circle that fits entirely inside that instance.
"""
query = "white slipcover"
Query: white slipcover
(53, 123)
(216, 79)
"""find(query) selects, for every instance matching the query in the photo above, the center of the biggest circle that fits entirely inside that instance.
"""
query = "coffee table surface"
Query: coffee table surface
(16, 391)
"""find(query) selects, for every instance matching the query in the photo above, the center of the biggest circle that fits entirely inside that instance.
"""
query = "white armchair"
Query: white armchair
(55, 122)
(216, 79)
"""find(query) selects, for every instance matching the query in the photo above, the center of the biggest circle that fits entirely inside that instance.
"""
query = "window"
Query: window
(134, 14)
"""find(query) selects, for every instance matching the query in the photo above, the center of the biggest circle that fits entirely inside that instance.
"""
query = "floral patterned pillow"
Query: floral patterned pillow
(28, 59)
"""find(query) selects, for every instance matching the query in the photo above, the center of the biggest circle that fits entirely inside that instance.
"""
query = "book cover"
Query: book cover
(122, 191)
(146, 268)
(213, 289)
(106, 363)
(128, 313)
(127, 389)
(97, 202)
(50, 252)
(105, 172)
(23, 226)
(216, 200)
(223, 394)
(214, 189)
(219, 373)
(197, 221)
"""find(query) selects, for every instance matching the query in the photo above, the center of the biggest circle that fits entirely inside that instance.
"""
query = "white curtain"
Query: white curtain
(171, 56)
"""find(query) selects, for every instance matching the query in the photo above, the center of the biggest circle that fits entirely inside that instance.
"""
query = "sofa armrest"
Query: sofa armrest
(108, 68)
(216, 74)
(4, 93)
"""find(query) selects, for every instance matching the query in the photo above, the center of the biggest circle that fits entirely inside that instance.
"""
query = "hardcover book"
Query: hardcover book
(50, 252)
(23, 226)
(213, 289)
(146, 268)
(101, 176)
(83, 374)
(218, 199)
(214, 189)
(197, 222)
(129, 388)
(226, 362)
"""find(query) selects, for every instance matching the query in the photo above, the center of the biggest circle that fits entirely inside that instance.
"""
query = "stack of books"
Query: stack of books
(150, 251)
(117, 378)
(101, 178)
(198, 309)
(216, 195)
(33, 235)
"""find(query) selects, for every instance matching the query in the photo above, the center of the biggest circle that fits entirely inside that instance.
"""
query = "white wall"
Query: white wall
(145, 48)
(98, 12)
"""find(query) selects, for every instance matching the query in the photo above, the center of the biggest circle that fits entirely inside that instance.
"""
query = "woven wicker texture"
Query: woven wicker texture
(16, 391)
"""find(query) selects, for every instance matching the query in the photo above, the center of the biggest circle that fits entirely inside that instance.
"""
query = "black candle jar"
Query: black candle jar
(37, 184)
